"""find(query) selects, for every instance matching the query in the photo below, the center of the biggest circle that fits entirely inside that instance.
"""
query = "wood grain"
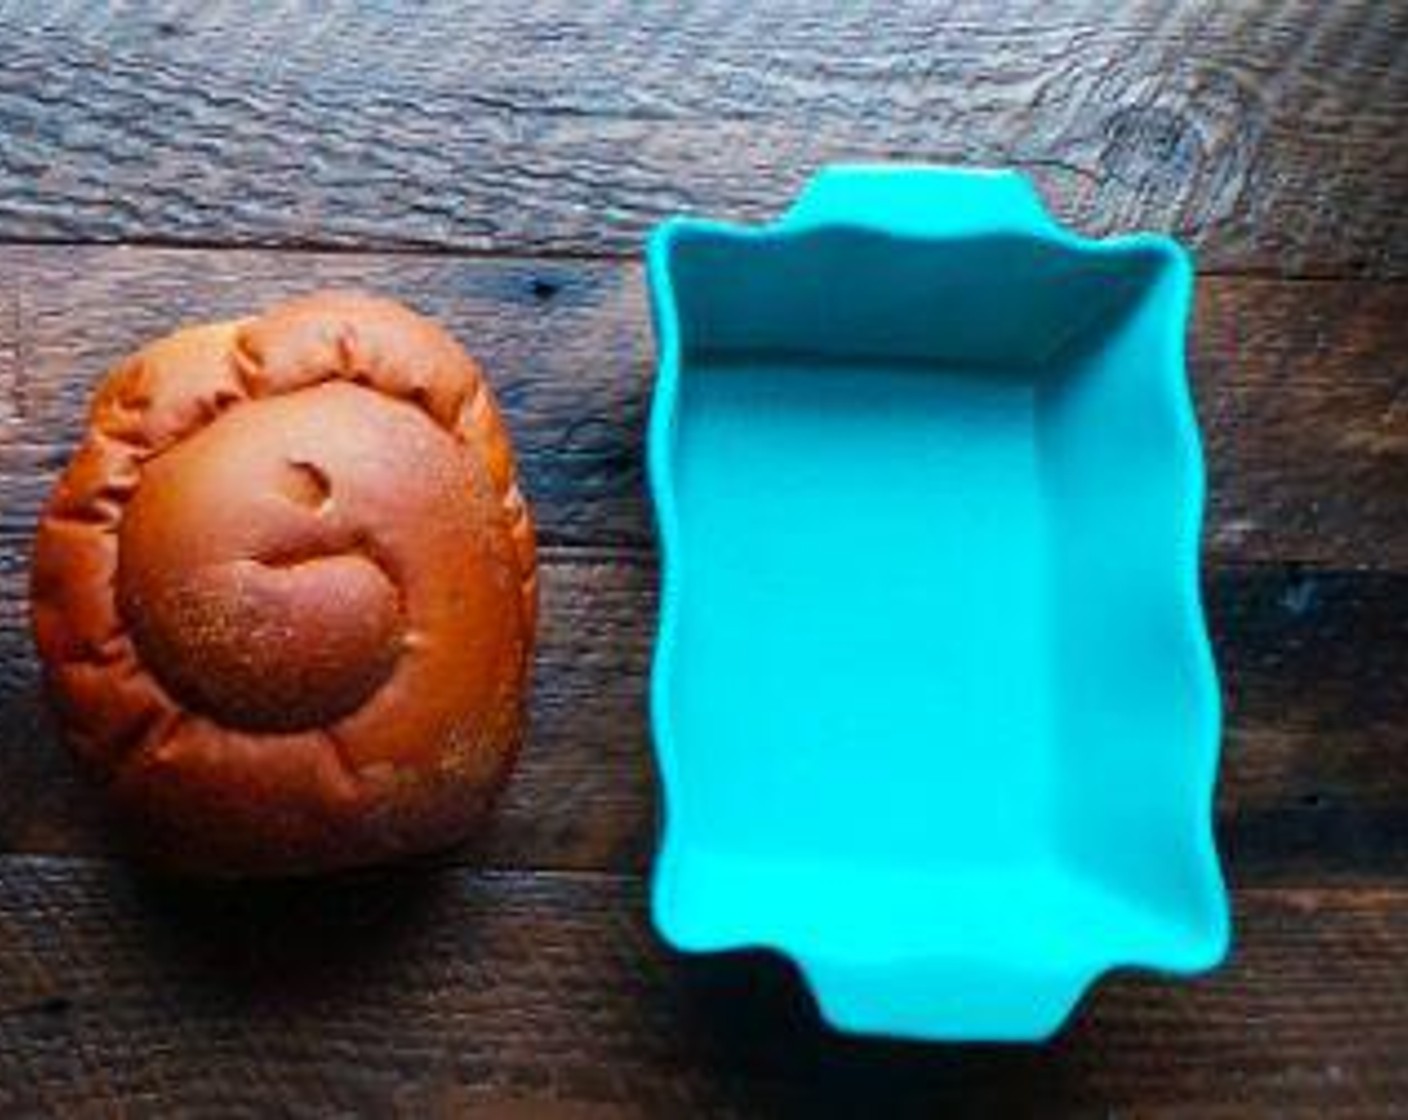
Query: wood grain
(1315, 778)
(422, 993)
(1302, 386)
(1267, 134)
(566, 347)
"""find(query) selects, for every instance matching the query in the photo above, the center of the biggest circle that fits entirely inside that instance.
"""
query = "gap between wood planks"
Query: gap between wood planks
(1307, 895)
(552, 255)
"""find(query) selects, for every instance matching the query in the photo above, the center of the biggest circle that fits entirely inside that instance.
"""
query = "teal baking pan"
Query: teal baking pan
(932, 699)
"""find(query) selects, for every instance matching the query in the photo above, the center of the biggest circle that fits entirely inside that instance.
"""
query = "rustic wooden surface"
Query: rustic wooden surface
(435, 991)
(165, 162)
(1269, 134)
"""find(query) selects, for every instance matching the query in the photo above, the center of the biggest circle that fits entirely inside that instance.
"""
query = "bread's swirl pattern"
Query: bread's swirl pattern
(286, 590)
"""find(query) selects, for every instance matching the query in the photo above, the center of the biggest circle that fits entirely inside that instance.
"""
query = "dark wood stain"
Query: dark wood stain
(1269, 135)
(433, 990)
(1299, 385)
(1316, 702)
(498, 168)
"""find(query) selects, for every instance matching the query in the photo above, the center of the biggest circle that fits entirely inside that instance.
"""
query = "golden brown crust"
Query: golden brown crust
(286, 591)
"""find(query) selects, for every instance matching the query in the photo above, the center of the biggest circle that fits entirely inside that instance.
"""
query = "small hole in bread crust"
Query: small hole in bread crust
(306, 484)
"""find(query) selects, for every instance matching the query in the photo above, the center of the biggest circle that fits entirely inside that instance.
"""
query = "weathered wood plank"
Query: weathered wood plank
(1314, 670)
(1269, 134)
(1315, 779)
(566, 346)
(582, 796)
(1302, 394)
(426, 991)
(1301, 385)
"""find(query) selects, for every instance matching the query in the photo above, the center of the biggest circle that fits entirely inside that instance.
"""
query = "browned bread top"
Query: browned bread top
(285, 592)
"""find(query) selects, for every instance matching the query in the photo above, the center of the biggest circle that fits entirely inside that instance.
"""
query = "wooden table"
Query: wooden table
(498, 170)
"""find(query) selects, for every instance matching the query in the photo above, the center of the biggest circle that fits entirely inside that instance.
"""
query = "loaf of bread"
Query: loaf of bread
(285, 592)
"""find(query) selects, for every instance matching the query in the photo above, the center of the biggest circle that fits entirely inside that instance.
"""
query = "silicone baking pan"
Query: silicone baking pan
(933, 702)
